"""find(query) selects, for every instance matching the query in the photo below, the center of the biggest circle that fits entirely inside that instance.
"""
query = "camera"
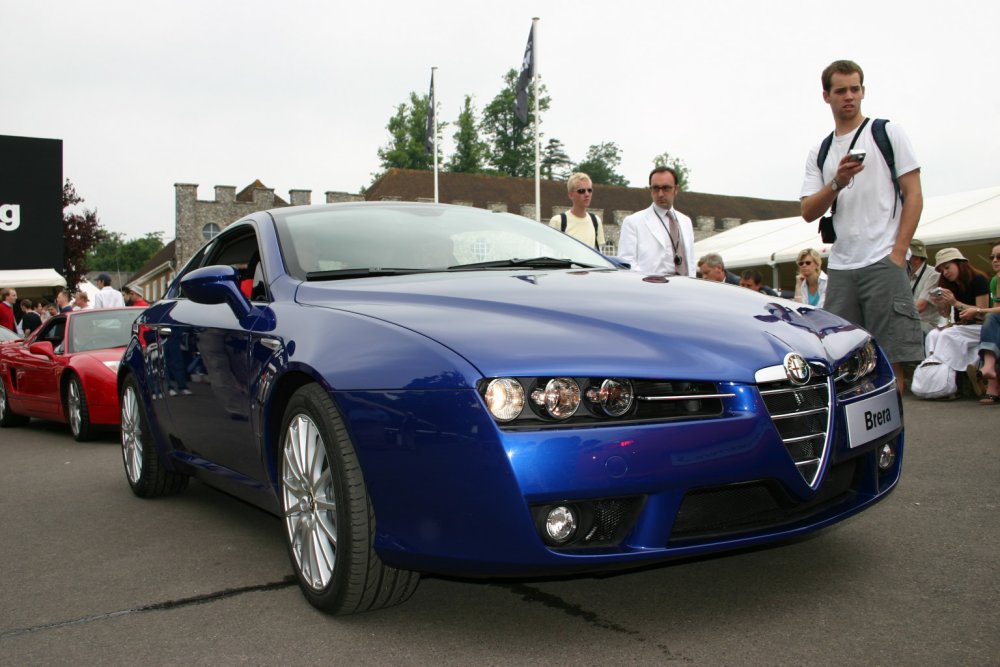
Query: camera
(936, 292)
(857, 154)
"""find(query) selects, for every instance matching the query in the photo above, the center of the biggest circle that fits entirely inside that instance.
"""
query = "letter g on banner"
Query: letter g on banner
(10, 217)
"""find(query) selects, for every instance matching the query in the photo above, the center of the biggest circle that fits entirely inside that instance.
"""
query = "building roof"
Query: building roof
(165, 254)
(246, 194)
(484, 189)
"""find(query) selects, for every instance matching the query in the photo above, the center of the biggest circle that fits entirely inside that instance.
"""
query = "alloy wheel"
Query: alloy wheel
(309, 502)
(131, 430)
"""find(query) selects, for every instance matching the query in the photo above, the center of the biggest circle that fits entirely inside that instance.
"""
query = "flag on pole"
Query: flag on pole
(524, 79)
(431, 130)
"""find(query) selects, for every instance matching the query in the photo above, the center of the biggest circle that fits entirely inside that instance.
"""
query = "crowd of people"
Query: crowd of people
(862, 182)
(24, 316)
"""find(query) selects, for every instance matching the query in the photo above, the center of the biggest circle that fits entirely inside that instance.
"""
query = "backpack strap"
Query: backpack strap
(562, 216)
(593, 219)
(881, 137)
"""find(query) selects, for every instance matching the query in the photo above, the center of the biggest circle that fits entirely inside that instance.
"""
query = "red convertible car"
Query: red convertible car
(65, 371)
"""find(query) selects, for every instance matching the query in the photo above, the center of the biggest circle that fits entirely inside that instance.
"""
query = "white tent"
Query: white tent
(23, 278)
(947, 220)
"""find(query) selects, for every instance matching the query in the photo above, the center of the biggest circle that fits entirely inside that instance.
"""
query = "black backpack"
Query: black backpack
(593, 218)
(881, 138)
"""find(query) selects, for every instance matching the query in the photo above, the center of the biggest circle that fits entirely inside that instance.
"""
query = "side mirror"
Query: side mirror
(216, 284)
(43, 348)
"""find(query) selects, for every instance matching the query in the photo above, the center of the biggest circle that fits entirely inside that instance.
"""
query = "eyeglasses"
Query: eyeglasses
(806, 262)
(661, 188)
(581, 191)
(994, 256)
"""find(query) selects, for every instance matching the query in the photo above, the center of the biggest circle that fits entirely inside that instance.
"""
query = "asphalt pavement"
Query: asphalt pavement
(92, 575)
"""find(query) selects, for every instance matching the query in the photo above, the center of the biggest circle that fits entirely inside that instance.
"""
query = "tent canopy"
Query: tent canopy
(953, 219)
(24, 278)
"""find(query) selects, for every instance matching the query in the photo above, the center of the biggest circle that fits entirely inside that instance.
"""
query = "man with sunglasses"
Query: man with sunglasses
(659, 239)
(874, 223)
(577, 221)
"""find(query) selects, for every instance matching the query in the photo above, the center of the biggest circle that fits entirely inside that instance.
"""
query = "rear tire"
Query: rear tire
(143, 469)
(77, 413)
(8, 417)
(329, 520)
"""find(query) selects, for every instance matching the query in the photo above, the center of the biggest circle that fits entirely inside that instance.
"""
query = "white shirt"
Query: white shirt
(109, 297)
(865, 223)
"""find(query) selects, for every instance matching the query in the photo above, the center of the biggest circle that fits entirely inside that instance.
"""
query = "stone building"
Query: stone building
(197, 221)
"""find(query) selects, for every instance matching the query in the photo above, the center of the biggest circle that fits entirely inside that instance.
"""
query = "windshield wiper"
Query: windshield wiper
(532, 263)
(341, 274)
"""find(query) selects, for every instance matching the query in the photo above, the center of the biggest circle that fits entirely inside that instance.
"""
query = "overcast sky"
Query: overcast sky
(298, 93)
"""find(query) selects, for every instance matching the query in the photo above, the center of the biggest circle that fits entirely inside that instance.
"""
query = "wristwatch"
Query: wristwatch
(834, 185)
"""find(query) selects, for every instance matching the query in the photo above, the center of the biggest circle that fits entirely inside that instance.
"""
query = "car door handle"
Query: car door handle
(272, 344)
(163, 331)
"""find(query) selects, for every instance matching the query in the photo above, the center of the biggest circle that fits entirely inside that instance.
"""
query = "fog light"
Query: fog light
(886, 456)
(561, 524)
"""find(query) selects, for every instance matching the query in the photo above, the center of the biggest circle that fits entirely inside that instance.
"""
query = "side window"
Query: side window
(53, 331)
(240, 251)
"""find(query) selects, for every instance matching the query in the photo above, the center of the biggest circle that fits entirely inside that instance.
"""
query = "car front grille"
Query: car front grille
(735, 509)
(801, 415)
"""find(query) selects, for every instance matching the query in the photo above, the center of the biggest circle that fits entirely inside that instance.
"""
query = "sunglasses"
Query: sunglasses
(581, 191)
(806, 262)
(994, 256)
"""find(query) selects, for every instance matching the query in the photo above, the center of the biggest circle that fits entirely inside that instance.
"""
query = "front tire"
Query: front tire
(77, 413)
(329, 520)
(145, 473)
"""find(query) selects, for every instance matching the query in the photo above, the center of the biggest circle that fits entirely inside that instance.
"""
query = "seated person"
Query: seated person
(751, 279)
(989, 335)
(961, 287)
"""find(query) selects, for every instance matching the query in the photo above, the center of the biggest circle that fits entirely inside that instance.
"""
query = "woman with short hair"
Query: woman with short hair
(810, 283)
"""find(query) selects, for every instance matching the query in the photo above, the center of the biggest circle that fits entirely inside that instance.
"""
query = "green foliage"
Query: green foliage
(601, 163)
(555, 162)
(470, 151)
(683, 173)
(81, 232)
(511, 143)
(407, 134)
(115, 253)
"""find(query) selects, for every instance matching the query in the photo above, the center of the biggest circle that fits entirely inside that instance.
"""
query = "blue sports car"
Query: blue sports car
(428, 388)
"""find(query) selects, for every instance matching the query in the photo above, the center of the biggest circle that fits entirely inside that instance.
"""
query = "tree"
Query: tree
(407, 147)
(114, 252)
(555, 161)
(511, 143)
(81, 232)
(470, 151)
(601, 162)
(678, 165)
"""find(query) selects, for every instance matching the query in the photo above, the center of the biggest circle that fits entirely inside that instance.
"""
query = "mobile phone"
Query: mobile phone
(857, 154)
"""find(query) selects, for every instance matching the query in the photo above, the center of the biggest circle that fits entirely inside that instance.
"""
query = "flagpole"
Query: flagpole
(435, 116)
(538, 170)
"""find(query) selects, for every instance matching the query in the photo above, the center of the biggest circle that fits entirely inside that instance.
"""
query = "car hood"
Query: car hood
(596, 322)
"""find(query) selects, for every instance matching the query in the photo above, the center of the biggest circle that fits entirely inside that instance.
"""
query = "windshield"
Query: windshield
(385, 239)
(99, 329)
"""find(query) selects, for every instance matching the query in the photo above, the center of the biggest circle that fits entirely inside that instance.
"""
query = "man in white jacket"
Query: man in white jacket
(659, 239)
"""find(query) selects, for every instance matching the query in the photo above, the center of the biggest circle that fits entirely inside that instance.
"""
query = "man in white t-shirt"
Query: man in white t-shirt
(868, 283)
(577, 221)
(107, 296)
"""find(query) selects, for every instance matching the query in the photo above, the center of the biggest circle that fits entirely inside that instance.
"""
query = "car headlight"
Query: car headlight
(614, 396)
(560, 397)
(860, 364)
(504, 398)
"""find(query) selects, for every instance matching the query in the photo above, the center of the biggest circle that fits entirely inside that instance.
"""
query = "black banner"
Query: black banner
(31, 229)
